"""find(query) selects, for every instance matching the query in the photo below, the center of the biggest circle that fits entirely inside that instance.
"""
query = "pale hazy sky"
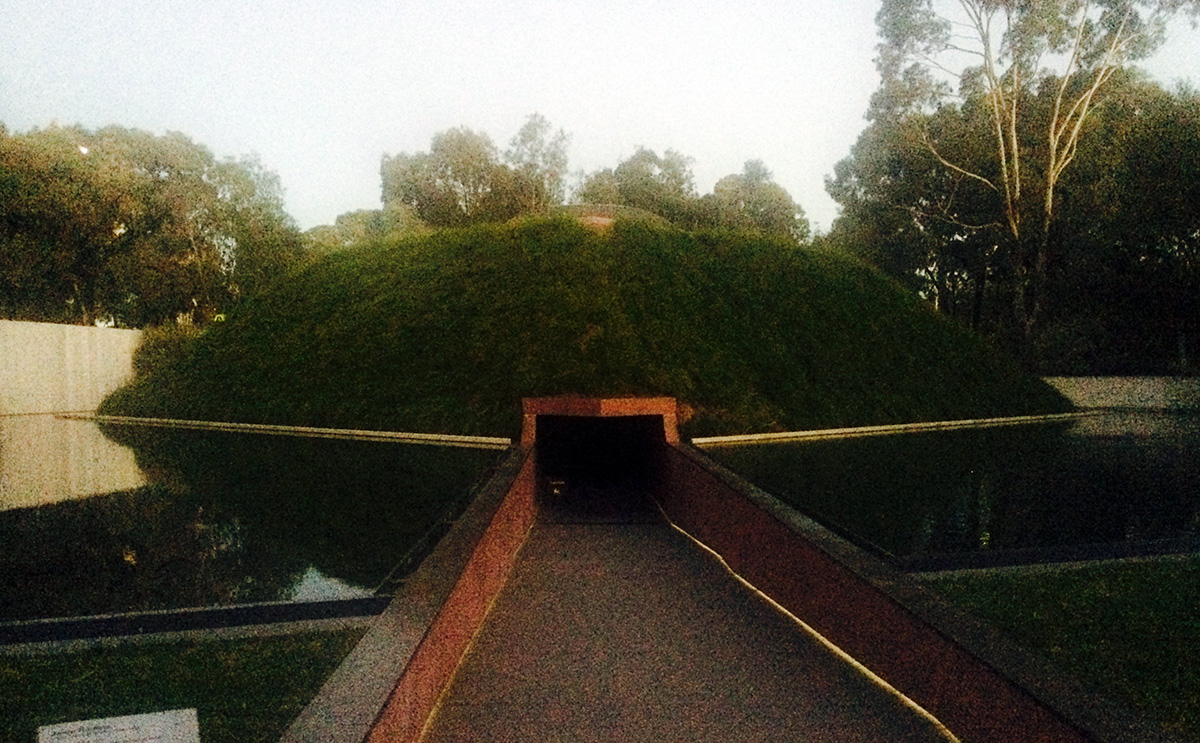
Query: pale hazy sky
(321, 89)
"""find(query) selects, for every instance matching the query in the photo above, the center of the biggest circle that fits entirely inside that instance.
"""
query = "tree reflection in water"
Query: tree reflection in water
(1124, 477)
(228, 519)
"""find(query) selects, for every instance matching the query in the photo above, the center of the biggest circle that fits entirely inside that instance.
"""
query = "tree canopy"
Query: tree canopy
(1121, 277)
(462, 180)
(662, 185)
(394, 221)
(541, 159)
(665, 186)
(133, 228)
(1021, 80)
(751, 200)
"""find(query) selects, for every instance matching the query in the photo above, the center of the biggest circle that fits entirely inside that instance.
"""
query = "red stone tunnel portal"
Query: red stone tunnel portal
(599, 460)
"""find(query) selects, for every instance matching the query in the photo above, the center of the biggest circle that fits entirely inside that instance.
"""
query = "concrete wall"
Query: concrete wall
(47, 368)
(44, 459)
(1130, 392)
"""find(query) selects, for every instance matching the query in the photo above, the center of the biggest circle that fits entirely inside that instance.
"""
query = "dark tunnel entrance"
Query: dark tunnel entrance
(599, 469)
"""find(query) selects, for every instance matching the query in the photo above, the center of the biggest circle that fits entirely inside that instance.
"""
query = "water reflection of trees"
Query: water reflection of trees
(144, 549)
(992, 489)
(229, 518)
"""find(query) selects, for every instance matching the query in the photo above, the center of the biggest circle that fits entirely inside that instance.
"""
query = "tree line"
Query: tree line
(464, 179)
(1042, 191)
(664, 185)
(1046, 192)
(126, 227)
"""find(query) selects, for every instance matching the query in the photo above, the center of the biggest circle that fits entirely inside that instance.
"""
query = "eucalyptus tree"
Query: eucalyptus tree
(921, 222)
(1127, 268)
(57, 227)
(541, 158)
(462, 180)
(1038, 67)
(1124, 275)
(449, 184)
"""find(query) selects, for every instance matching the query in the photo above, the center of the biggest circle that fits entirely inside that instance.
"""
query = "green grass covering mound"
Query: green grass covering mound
(446, 333)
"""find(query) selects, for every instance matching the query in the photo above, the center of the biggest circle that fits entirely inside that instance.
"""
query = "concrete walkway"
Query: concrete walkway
(630, 632)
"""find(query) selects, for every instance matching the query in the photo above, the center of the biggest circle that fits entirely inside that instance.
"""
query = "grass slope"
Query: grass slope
(243, 690)
(447, 333)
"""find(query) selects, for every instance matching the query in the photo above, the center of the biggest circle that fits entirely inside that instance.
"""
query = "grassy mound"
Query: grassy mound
(446, 333)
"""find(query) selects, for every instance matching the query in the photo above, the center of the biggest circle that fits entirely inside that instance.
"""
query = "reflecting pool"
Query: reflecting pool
(207, 519)
(1118, 478)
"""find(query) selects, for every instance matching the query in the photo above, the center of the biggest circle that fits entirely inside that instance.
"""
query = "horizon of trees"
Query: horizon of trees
(665, 185)
(1055, 210)
(465, 179)
(124, 227)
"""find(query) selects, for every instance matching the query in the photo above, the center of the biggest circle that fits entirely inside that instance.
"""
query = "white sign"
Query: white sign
(176, 726)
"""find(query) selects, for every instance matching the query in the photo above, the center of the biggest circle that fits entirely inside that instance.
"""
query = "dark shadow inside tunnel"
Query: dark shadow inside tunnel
(598, 468)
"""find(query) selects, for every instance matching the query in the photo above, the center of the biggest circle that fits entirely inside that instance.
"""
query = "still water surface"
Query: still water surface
(1119, 478)
(170, 519)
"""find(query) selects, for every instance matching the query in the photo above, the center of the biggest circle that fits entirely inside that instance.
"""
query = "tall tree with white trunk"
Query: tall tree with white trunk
(1040, 66)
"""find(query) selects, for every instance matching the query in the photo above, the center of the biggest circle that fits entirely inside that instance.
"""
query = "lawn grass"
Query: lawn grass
(244, 690)
(1130, 630)
(447, 332)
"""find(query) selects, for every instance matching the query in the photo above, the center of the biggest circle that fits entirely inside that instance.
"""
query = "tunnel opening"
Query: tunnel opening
(599, 469)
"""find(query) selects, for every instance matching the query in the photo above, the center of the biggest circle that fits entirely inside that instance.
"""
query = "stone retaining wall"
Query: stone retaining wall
(972, 678)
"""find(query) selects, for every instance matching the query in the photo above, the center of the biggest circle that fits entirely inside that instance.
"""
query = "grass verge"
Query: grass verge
(243, 690)
(1129, 630)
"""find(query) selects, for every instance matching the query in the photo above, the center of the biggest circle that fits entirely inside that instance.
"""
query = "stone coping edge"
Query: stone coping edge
(134, 624)
(1038, 556)
(239, 632)
(349, 704)
(885, 430)
(403, 437)
(1091, 712)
